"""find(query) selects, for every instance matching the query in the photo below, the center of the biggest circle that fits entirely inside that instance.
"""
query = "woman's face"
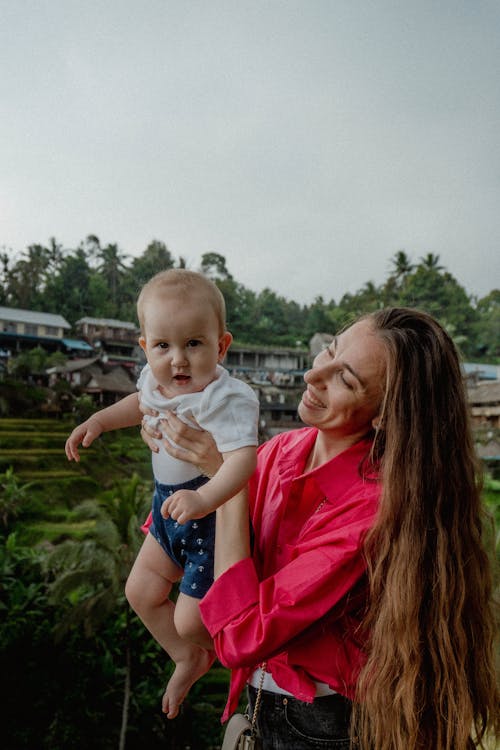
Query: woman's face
(346, 384)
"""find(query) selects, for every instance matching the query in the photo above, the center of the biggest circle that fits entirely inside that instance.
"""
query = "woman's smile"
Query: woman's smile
(310, 399)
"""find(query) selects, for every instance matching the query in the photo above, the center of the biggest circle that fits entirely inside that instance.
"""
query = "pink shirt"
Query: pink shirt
(297, 602)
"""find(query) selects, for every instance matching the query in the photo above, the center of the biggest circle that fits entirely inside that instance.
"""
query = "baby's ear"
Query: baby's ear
(224, 344)
(142, 343)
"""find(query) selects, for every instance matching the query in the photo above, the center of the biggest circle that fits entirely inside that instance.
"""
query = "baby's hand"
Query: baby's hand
(184, 505)
(85, 434)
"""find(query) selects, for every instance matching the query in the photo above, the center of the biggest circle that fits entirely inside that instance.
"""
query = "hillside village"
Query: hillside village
(103, 359)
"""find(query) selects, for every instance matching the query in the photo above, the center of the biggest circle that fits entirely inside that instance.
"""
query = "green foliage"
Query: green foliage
(20, 399)
(83, 407)
(13, 495)
(101, 281)
(22, 600)
(67, 637)
(34, 362)
(491, 495)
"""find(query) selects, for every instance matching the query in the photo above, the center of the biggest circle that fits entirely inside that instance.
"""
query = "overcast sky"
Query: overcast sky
(307, 142)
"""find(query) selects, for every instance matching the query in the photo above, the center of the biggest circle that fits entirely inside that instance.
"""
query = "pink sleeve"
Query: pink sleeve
(251, 620)
(147, 523)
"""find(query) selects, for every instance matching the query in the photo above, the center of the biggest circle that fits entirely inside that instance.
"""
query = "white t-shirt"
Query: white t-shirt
(227, 408)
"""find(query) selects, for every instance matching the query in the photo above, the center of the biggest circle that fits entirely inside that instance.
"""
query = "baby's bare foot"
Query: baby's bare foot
(185, 674)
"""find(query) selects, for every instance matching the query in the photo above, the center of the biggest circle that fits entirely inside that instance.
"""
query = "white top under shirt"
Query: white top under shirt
(227, 408)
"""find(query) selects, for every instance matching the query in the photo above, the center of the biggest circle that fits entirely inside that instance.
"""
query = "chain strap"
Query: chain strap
(259, 696)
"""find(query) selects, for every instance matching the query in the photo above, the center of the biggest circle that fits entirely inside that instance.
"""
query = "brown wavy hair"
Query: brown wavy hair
(429, 682)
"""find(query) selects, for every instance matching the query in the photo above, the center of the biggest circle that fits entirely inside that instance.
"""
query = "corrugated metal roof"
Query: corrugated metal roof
(110, 322)
(484, 371)
(485, 393)
(17, 315)
(77, 344)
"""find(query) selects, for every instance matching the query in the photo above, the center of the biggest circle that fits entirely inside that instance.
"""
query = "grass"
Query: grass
(35, 450)
(56, 531)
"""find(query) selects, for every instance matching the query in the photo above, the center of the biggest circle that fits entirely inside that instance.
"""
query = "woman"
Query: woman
(368, 581)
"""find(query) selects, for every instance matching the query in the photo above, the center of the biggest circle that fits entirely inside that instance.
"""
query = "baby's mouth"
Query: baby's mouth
(180, 378)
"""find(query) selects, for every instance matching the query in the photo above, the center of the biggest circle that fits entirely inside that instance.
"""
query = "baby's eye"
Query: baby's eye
(162, 345)
(193, 342)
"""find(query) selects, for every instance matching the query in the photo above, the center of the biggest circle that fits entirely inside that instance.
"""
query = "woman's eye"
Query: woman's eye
(344, 381)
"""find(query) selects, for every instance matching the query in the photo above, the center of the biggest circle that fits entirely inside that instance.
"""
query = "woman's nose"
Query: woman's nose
(315, 375)
(322, 370)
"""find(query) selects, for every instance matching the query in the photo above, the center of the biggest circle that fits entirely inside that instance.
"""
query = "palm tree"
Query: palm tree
(88, 576)
(431, 262)
(402, 265)
(111, 268)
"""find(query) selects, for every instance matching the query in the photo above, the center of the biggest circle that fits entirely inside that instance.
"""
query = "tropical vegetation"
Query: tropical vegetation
(101, 281)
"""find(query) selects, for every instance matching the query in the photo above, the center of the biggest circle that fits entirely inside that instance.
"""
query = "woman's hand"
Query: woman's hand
(148, 434)
(196, 446)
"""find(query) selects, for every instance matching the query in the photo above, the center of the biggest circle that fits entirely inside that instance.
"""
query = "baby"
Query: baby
(184, 337)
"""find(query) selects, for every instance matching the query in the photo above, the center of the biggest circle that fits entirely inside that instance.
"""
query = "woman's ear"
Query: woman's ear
(376, 422)
(224, 344)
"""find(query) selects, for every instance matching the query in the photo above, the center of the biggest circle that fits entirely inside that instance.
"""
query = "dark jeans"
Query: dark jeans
(285, 723)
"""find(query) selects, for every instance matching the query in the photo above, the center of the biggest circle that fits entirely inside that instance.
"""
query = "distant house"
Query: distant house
(318, 342)
(484, 399)
(115, 340)
(26, 329)
(106, 383)
(267, 364)
(476, 372)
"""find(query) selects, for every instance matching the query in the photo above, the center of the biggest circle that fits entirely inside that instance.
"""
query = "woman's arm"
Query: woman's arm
(251, 618)
(232, 533)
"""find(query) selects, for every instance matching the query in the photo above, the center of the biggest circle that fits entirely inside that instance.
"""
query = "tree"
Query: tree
(155, 258)
(89, 576)
(240, 310)
(436, 291)
(111, 268)
(14, 494)
(77, 290)
(486, 331)
(214, 266)
(25, 281)
(401, 264)
(431, 262)
(318, 318)
(5, 262)
(31, 361)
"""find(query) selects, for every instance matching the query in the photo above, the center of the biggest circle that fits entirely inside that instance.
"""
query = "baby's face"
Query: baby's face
(182, 343)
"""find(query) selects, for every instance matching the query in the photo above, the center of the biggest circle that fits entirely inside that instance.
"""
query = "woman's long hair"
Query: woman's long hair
(429, 681)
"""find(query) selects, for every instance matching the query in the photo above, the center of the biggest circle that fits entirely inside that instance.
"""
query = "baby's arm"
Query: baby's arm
(232, 476)
(124, 413)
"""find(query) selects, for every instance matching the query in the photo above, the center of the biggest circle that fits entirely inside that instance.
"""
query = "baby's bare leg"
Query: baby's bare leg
(148, 589)
(199, 658)
(188, 622)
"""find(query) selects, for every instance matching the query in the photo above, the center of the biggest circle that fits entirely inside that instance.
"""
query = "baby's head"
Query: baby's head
(183, 330)
(186, 285)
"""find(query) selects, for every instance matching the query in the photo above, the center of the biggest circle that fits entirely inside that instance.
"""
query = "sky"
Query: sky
(305, 141)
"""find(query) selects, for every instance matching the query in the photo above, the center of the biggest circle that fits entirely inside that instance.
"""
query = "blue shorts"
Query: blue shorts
(190, 545)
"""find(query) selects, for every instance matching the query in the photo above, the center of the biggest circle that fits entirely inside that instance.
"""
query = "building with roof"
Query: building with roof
(25, 329)
(104, 382)
(115, 340)
(484, 400)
